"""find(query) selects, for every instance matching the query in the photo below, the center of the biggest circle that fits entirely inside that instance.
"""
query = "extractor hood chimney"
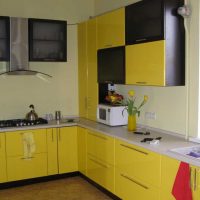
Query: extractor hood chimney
(19, 50)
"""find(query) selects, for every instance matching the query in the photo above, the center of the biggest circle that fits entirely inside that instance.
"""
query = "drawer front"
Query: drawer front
(2, 144)
(138, 162)
(100, 146)
(129, 188)
(3, 173)
(19, 168)
(15, 145)
(101, 173)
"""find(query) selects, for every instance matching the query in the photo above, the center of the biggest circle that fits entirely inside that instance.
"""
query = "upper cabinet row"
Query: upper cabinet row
(47, 40)
(154, 38)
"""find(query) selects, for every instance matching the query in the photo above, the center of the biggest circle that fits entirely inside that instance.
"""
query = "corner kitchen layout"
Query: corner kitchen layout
(99, 100)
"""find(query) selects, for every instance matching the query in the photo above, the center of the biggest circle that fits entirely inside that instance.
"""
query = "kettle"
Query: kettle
(32, 115)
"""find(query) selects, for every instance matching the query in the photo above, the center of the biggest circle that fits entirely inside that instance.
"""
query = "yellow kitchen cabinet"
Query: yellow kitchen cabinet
(195, 182)
(3, 172)
(82, 145)
(82, 69)
(100, 159)
(111, 29)
(87, 56)
(67, 149)
(136, 168)
(26, 167)
(169, 170)
(100, 172)
(52, 149)
(145, 64)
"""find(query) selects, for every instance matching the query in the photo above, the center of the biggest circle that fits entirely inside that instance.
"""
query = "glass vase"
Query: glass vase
(131, 122)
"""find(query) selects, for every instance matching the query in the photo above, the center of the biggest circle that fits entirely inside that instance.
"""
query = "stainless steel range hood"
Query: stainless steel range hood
(19, 51)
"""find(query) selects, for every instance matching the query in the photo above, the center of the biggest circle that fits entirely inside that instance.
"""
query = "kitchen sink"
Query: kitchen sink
(191, 152)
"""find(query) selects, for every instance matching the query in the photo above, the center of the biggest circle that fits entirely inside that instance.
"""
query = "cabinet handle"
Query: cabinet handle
(104, 166)
(27, 158)
(141, 82)
(126, 146)
(195, 179)
(134, 181)
(59, 136)
(98, 136)
(108, 82)
(140, 40)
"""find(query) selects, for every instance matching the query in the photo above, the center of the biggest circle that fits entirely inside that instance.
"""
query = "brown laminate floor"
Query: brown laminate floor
(74, 188)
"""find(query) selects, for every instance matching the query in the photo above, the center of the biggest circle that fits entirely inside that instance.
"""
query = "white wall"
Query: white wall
(18, 92)
(170, 104)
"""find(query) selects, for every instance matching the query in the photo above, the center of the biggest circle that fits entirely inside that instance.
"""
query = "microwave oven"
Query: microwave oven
(112, 115)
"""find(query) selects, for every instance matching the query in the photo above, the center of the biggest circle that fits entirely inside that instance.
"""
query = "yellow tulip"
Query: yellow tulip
(145, 98)
(131, 93)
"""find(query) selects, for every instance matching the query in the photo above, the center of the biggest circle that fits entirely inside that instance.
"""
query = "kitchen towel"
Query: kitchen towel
(29, 144)
(181, 188)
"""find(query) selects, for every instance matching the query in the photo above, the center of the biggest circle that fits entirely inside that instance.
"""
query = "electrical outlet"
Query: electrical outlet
(150, 115)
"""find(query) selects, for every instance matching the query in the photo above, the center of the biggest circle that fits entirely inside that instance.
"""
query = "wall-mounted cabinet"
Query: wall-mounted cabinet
(111, 29)
(4, 38)
(111, 65)
(144, 21)
(155, 38)
(47, 40)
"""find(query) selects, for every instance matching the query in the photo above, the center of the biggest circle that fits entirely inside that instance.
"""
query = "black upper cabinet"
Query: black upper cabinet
(111, 65)
(146, 20)
(4, 38)
(47, 40)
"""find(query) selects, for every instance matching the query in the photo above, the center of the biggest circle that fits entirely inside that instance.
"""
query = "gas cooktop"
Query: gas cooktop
(21, 122)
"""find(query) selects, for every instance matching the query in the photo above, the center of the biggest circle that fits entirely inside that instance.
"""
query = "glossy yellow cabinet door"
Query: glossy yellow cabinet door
(25, 168)
(129, 188)
(82, 133)
(195, 182)
(67, 149)
(111, 29)
(138, 162)
(169, 170)
(100, 146)
(82, 68)
(87, 56)
(101, 172)
(52, 151)
(92, 86)
(145, 63)
(100, 159)
(3, 172)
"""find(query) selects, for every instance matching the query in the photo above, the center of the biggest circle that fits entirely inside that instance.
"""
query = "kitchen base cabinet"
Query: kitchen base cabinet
(82, 133)
(137, 172)
(20, 168)
(3, 172)
(62, 150)
(169, 170)
(128, 188)
(195, 182)
(67, 150)
(100, 159)
(101, 173)
(19, 165)
(52, 151)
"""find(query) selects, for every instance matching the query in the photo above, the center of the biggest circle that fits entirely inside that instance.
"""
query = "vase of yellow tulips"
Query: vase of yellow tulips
(132, 109)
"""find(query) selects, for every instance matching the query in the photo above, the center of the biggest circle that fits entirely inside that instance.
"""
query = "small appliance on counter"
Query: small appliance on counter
(112, 115)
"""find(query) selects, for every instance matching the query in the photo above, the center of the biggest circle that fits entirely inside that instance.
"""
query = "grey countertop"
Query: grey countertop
(167, 142)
